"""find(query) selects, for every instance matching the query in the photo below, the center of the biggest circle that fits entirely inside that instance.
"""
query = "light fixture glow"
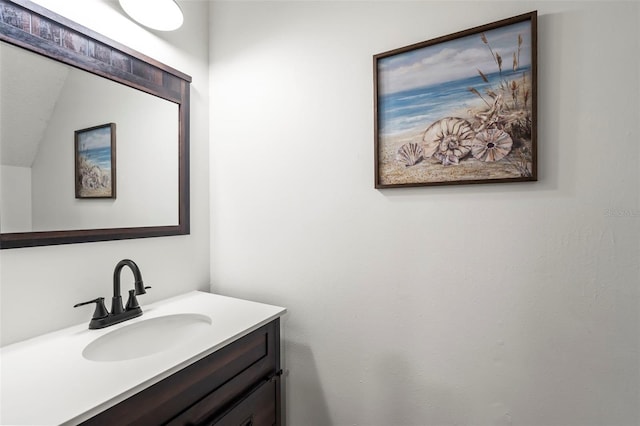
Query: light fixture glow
(162, 15)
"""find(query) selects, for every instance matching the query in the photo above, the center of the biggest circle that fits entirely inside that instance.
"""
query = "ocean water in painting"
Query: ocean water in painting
(100, 156)
(415, 109)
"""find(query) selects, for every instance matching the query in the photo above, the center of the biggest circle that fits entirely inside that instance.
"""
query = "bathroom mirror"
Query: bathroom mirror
(59, 78)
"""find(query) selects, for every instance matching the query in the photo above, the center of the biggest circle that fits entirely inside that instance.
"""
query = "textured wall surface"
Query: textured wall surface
(468, 305)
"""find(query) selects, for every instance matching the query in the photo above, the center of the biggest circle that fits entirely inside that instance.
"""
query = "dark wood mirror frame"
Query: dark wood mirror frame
(32, 27)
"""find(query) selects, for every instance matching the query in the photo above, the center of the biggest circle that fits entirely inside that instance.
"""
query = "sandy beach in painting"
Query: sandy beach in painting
(93, 181)
(430, 170)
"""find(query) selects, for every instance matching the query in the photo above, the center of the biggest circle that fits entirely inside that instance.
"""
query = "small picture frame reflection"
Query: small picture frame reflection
(95, 162)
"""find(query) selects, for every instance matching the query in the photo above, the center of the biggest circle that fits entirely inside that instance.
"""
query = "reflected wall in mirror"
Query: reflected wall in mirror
(58, 77)
(43, 103)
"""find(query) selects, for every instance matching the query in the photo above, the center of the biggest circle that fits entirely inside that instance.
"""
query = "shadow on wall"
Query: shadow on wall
(302, 391)
(394, 393)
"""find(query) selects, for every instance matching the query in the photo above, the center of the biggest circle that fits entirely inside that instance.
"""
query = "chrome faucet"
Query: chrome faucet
(101, 317)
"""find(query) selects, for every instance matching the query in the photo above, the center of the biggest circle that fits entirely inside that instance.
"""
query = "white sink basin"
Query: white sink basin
(146, 337)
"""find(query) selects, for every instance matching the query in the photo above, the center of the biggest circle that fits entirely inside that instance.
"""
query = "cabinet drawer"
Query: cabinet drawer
(257, 409)
(229, 372)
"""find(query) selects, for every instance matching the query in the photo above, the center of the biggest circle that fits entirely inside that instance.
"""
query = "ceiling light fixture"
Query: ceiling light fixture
(162, 15)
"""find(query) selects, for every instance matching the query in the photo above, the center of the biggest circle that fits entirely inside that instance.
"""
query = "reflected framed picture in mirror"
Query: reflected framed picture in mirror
(95, 161)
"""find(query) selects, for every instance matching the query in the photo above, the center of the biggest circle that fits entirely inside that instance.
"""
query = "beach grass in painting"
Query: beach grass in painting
(95, 162)
(459, 109)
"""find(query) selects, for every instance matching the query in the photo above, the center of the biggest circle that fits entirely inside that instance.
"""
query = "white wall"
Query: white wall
(462, 305)
(15, 193)
(39, 286)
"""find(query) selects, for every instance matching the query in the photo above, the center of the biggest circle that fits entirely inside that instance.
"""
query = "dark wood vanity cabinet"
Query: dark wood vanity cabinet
(237, 385)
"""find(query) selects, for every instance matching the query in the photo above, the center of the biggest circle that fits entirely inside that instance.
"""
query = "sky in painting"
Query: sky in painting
(94, 139)
(454, 60)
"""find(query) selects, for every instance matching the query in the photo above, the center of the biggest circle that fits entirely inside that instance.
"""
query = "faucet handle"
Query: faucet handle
(101, 310)
(132, 302)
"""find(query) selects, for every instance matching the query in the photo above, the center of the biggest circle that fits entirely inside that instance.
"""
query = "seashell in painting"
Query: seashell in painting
(448, 140)
(410, 154)
(491, 145)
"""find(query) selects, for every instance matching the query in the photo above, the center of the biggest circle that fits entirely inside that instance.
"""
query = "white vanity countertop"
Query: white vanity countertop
(46, 380)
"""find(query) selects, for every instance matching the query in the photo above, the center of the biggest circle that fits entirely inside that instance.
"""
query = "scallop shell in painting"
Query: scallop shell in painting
(410, 154)
(448, 140)
(491, 145)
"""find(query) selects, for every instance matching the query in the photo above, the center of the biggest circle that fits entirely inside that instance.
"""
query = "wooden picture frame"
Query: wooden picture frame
(95, 162)
(458, 109)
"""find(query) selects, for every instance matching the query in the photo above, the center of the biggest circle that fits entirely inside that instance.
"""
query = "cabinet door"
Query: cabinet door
(257, 409)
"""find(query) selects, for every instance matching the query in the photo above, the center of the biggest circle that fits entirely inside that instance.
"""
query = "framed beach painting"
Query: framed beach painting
(95, 162)
(458, 109)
